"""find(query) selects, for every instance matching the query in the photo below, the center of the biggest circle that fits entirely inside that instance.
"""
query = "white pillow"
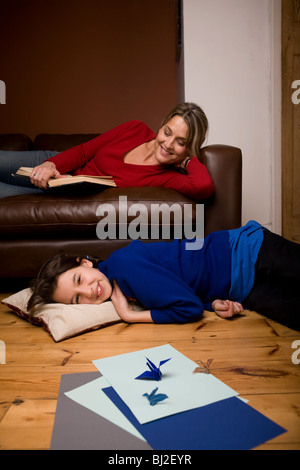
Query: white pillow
(64, 321)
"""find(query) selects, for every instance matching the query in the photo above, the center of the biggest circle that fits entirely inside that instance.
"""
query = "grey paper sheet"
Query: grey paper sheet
(77, 428)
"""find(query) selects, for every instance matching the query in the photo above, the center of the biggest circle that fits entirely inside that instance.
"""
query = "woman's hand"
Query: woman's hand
(227, 308)
(124, 309)
(183, 164)
(42, 173)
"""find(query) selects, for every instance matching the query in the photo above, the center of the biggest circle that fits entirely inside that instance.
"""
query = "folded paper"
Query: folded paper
(155, 398)
(154, 373)
(204, 367)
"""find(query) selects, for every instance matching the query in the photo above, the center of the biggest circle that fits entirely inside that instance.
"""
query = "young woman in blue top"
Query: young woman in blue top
(175, 281)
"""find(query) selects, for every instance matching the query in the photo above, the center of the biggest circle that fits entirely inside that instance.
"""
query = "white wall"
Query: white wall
(231, 69)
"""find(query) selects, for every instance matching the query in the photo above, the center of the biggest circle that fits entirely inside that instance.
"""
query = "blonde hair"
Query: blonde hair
(197, 123)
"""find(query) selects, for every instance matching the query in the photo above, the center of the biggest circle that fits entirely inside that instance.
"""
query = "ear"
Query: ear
(86, 262)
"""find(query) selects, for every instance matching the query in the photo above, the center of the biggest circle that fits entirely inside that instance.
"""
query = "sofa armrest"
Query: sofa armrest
(223, 210)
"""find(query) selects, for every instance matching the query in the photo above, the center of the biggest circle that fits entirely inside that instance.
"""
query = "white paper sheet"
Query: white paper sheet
(185, 390)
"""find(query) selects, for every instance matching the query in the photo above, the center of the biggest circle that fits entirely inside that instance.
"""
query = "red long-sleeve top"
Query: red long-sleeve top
(104, 156)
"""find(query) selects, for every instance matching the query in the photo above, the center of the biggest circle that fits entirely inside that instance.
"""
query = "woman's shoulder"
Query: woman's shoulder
(136, 128)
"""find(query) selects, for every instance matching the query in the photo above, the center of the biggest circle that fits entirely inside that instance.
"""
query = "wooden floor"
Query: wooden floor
(251, 354)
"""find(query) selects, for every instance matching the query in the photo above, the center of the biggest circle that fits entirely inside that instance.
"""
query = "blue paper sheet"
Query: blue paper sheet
(228, 424)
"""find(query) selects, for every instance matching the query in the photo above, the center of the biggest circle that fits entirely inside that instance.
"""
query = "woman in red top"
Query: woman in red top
(135, 156)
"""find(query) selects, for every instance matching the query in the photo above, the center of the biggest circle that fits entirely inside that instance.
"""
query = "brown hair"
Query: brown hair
(197, 123)
(44, 285)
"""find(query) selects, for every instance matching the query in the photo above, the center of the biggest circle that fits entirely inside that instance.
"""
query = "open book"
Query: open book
(25, 172)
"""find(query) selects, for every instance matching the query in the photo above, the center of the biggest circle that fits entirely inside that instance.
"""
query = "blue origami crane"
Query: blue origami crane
(154, 373)
(153, 398)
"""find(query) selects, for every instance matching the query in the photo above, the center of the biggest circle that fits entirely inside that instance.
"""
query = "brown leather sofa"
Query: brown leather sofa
(33, 228)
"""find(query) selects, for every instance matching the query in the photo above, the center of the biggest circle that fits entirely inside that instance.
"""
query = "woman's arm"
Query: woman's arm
(226, 308)
(125, 310)
(196, 183)
(78, 156)
(74, 158)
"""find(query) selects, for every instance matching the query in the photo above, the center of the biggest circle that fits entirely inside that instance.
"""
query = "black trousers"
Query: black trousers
(276, 289)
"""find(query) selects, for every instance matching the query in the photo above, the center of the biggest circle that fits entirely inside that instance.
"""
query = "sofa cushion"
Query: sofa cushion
(66, 215)
(15, 142)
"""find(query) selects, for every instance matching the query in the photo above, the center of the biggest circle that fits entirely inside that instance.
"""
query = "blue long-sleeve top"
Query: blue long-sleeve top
(173, 281)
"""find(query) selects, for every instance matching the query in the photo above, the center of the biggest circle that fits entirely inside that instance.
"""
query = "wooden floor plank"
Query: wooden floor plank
(28, 425)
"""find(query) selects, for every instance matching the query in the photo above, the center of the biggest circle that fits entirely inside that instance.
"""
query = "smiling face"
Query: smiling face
(170, 143)
(82, 285)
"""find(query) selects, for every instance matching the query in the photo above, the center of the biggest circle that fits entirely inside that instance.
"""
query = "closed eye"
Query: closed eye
(76, 281)
(168, 133)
